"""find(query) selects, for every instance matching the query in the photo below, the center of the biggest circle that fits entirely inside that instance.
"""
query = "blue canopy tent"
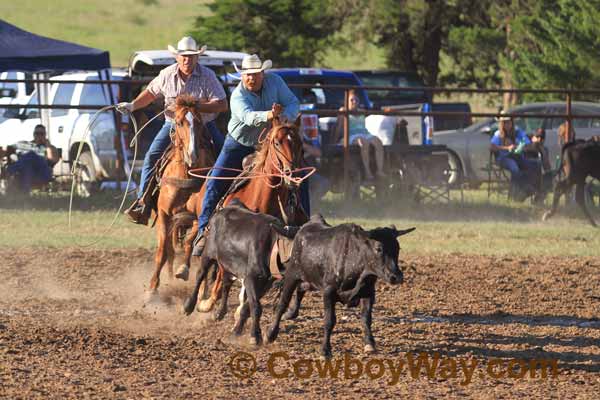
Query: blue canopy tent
(25, 51)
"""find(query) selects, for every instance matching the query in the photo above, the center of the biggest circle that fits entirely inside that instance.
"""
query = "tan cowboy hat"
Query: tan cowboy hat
(187, 47)
(252, 64)
(503, 117)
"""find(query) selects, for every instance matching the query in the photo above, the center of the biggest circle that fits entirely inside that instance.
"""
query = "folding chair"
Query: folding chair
(498, 178)
(432, 183)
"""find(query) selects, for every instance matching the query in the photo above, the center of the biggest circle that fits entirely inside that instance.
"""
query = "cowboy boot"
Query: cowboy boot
(199, 243)
(138, 213)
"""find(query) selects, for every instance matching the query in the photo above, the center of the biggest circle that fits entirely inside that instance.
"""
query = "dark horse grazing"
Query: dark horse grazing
(241, 242)
(579, 159)
(191, 148)
(269, 189)
(342, 262)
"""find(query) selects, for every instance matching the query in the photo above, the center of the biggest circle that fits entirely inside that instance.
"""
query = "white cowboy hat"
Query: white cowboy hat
(252, 64)
(503, 116)
(187, 47)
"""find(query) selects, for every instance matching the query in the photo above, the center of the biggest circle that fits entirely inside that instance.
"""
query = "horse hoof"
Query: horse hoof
(254, 342)
(288, 316)
(205, 305)
(151, 297)
(183, 272)
(369, 349)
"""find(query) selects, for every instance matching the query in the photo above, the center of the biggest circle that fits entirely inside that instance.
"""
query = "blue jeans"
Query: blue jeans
(161, 142)
(231, 156)
(521, 170)
(30, 168)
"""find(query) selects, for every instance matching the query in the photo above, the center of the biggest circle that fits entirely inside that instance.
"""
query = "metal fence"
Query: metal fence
(567, 93)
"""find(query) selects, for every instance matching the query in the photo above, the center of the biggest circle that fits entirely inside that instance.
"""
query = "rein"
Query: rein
(197, 172)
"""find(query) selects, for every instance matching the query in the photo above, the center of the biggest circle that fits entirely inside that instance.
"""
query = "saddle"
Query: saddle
(156, 180)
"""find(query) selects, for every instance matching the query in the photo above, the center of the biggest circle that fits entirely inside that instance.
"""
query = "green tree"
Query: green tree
(557, 45)
(290, 32)
(415, 33)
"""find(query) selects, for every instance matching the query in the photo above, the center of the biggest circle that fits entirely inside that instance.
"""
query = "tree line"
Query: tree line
(473, 43)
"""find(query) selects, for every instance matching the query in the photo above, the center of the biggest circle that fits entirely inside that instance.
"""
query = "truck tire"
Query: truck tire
(455, 170)
(85, 175)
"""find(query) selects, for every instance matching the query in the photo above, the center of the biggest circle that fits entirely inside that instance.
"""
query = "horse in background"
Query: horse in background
(191, 148)
(578, 159)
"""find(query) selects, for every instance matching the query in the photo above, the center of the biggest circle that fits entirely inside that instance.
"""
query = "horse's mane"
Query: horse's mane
(185, 102)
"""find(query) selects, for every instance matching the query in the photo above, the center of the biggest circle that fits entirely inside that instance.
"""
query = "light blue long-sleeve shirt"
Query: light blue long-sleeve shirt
(249, 109)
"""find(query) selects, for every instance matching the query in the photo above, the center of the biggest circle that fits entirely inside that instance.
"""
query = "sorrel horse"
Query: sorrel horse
(191, 148)
(268, 188)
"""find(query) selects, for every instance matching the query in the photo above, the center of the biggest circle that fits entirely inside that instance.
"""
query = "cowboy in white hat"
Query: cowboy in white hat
(186, 76)
(259, 97)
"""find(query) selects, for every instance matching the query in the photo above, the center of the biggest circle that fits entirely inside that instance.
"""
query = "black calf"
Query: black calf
(343, 262)
(241, 241)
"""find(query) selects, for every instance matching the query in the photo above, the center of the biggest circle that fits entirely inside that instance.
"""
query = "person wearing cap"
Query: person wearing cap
(256, 100)
(185, 76)
(35, 160)
(508, 144)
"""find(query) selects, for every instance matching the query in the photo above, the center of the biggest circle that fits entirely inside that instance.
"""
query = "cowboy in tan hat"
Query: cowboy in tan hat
(258, 98)
(186, 76)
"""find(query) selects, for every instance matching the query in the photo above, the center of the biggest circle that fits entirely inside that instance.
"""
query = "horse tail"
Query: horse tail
(180, 224)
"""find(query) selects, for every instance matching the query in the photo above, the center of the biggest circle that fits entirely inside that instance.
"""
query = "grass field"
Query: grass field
(124, 26)
(475, 227)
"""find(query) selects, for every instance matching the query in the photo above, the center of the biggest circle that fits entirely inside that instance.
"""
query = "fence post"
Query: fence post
(569, 121)
(346, 117)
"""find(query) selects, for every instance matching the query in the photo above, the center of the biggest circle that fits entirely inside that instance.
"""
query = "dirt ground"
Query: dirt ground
(74, 324)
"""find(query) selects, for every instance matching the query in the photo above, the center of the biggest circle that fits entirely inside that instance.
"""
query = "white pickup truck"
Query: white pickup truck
(68, 128)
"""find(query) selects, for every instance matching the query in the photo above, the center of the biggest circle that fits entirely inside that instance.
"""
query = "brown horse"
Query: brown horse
(191, 148)
(269, 189)
(578, 160)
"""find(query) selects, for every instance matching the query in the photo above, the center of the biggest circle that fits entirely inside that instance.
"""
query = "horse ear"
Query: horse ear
(298, 121)
(276, 121)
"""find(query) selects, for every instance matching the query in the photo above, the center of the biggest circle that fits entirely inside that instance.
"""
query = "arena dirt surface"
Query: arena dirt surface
(74, 324)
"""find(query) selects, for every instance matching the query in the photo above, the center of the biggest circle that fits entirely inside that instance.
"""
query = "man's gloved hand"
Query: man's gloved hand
(125, 106)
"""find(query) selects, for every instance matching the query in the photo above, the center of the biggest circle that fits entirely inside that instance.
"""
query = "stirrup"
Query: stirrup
(198, 244)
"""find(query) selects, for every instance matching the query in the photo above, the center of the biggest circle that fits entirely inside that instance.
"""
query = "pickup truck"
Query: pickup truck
(67, 130)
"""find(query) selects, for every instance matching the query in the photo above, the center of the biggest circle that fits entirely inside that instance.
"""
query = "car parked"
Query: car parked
(471, 145)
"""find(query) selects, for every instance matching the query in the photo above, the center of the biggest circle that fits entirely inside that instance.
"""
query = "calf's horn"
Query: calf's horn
(405, 231)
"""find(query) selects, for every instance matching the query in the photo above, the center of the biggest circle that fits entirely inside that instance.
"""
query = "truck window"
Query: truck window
(63, 95)
(32, 112)
(9, 85)
(92, 95)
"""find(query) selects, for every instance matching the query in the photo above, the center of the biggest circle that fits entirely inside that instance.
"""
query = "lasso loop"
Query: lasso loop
(133, 144)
